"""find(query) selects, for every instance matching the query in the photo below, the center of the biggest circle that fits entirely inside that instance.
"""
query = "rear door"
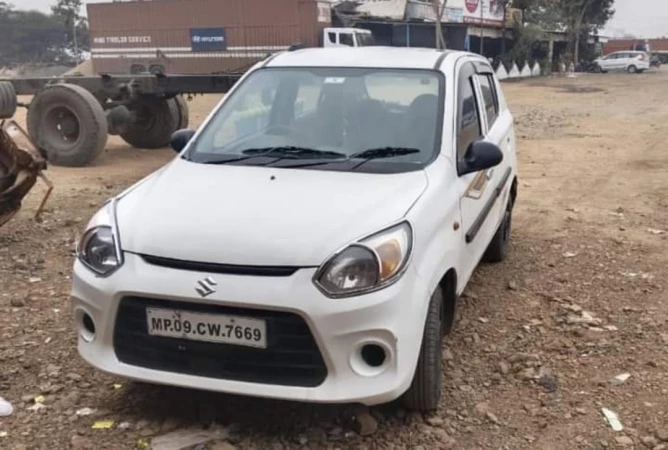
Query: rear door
(482, 196)
(623, 60)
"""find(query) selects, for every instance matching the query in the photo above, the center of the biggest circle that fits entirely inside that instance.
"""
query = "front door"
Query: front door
(483, 195)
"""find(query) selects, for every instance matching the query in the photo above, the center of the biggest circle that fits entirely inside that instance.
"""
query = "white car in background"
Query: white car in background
(311, 239)
(627, 61)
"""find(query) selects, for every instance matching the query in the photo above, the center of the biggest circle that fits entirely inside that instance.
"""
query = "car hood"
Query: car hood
(257, 215)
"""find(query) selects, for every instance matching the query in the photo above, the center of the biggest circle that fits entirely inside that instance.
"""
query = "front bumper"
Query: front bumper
(392, 318)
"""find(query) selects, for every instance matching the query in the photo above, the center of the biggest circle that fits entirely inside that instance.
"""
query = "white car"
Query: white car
(311, 239)
(628, 61)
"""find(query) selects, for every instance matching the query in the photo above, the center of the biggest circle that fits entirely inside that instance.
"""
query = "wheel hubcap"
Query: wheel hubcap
(61, 127)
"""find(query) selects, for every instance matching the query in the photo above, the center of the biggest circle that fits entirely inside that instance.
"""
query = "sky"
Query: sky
(642, 18)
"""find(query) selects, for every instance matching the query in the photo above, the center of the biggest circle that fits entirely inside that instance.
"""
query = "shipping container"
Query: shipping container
(199, 36)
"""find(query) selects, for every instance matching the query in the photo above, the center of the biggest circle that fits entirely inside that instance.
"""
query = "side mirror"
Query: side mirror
(481, 155)
(180, 139)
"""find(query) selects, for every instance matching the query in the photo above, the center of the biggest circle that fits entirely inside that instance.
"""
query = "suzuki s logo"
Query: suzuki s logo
(206, 287)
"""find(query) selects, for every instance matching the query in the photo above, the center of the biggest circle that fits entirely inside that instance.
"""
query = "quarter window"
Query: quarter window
(489, 97)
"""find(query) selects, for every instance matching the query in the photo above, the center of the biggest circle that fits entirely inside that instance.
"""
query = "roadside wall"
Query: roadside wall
(617, 45)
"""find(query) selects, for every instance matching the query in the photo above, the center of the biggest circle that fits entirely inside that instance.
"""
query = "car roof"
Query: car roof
(372, 56)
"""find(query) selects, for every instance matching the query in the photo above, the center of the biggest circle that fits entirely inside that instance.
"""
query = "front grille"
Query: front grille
(292, 357)
(226, 269)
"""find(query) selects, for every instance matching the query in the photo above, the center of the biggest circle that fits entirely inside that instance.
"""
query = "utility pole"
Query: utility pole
(482, 30)
(74, 34)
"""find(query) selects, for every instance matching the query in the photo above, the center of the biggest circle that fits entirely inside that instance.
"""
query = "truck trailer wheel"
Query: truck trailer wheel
(184, 112)
(7, 100)
(154, 121)
(67, 124)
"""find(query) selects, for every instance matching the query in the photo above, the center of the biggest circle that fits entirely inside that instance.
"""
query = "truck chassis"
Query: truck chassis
(69, 118)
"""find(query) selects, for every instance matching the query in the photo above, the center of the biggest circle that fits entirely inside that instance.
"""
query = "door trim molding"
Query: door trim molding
(480, 220)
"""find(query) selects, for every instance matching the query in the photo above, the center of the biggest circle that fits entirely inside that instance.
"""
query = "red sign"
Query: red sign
(472, 5)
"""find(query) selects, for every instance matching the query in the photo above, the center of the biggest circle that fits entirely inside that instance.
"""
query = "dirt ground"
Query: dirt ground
(539, 340)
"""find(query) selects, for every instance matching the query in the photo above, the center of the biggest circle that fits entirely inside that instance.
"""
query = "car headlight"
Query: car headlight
(367, 265)
(99, 247)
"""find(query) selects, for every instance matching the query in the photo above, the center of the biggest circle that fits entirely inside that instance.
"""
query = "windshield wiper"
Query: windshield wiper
(302, 153)
(228, 160)
(381, 152)
(279, 154)
(293, 152)
(384, 152)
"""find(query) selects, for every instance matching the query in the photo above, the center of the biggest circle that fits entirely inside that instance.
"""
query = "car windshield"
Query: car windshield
(327, 118)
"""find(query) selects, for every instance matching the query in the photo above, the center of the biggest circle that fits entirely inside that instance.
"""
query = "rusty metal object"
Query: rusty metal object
(21, 164)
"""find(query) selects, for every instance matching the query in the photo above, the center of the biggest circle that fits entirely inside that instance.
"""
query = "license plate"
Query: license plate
(216, 328)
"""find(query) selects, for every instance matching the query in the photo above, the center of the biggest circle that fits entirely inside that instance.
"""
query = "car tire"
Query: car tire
(425, 391)
(632, 69)
(498, 248)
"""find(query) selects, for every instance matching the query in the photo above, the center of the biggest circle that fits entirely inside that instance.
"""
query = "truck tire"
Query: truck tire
(155, 119)
(68, 125)
(7, 100)
(425, 391)
(184, 112)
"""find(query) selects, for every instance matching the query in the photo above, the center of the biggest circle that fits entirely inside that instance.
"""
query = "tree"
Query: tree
(503, 6)
(68, 12)
(580, 17)
(546, 14)
(439, 8)
(31, 37)
(577, 17)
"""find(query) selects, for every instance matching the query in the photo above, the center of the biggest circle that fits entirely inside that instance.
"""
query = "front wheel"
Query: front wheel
(425, 390)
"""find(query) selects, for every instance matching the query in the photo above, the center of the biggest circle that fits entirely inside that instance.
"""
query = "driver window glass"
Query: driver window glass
(347, 39)
(332, 38)
(469, 129)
